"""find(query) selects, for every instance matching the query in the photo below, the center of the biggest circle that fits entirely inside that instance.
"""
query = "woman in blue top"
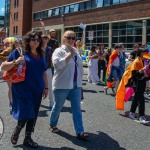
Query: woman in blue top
(27, 95)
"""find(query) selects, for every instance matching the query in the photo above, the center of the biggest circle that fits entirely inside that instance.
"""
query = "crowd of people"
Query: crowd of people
(56, 71)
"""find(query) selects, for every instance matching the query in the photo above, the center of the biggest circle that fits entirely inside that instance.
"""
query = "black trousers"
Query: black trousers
(30, 124)
(139, 102)
(102, 66)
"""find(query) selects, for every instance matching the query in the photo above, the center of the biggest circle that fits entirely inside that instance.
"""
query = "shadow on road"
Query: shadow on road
(45, 113)
(100, 141)
(68, 109)
(91, 91)
(43, 148)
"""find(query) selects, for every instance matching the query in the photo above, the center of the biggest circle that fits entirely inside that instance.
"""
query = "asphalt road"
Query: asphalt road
(108, 128)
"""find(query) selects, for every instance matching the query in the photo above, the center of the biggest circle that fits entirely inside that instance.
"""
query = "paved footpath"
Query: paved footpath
(108, 128)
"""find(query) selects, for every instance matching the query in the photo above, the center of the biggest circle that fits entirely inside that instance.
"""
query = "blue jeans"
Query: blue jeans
(116, 73)
(60, 96)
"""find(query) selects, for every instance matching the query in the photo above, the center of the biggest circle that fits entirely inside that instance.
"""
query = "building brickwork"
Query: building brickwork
(23, 22)
(127, 11)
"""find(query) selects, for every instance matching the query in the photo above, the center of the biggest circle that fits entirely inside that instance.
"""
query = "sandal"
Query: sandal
(30, 143)
(15, 135)
(54, 129)
(83, 136)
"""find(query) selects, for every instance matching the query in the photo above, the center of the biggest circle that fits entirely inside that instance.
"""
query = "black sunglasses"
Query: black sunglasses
(33, 39)
(69, 38)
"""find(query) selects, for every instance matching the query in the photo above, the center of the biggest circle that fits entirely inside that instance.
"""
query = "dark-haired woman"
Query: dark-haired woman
(27, 95)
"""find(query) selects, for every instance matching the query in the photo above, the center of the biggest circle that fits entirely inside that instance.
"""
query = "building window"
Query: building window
(81, 6)
(66, 9)
(15, 30)
(71, 8)
(16, 3)
(127, 33)
(148, 32)
(88, 5)
(49, 13)
(94, 4)
(57, 12)
(76, 7)
(116, 1)
(123, 1)
(99, 3)
(106, 2)
(16, 16)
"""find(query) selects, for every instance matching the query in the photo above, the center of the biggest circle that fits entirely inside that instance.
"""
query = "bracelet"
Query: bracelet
(45, 88)
(14, 62)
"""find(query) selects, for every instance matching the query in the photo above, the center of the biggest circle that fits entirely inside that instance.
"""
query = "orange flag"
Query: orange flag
(137, 64)
(112, 57)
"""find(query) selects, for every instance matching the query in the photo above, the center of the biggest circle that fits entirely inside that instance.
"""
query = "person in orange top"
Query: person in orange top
(113, 69)
(136, 65)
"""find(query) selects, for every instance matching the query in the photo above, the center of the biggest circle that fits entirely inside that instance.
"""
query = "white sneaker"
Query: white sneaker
(143, 120)
(132, 116)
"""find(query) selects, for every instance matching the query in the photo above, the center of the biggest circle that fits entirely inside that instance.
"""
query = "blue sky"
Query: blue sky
(2, 6)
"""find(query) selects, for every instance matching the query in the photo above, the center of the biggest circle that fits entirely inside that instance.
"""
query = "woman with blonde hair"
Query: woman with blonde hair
(67, 82)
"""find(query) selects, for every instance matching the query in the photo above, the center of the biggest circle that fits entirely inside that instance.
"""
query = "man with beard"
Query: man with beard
(53, 43)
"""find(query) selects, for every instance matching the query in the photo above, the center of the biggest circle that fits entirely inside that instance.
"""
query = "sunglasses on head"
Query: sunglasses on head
(33, 39)
(69, 38)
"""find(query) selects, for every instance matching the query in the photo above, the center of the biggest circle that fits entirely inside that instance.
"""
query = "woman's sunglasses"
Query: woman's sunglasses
(69, 38)
(33, 39)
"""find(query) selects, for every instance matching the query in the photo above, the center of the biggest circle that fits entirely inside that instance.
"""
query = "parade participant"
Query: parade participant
(67, 82)
(139, 79)
(108, 53)
(101, 62)
(27, 95)
(1, 47)
(48, 56)
(3, 56)
(92, 66)
(122, 57)
(113, 68)
(53, 43)
(137, 64)
(80, 45)
(133, 54)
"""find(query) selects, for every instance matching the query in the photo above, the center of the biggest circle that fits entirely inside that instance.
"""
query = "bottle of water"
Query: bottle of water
(20, 66)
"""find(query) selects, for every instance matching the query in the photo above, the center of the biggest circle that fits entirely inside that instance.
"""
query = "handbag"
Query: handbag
(129, 92)
(12, 75)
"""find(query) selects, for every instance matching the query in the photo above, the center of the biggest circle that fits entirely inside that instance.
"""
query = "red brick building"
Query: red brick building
(20, 17)
(112, 21)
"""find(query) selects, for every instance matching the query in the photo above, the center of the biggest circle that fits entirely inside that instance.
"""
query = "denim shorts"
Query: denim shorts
(116, 73)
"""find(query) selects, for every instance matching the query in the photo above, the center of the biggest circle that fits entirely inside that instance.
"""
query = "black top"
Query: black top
(53, 44)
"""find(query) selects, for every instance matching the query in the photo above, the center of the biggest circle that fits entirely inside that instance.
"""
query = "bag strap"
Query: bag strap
(19, 49)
